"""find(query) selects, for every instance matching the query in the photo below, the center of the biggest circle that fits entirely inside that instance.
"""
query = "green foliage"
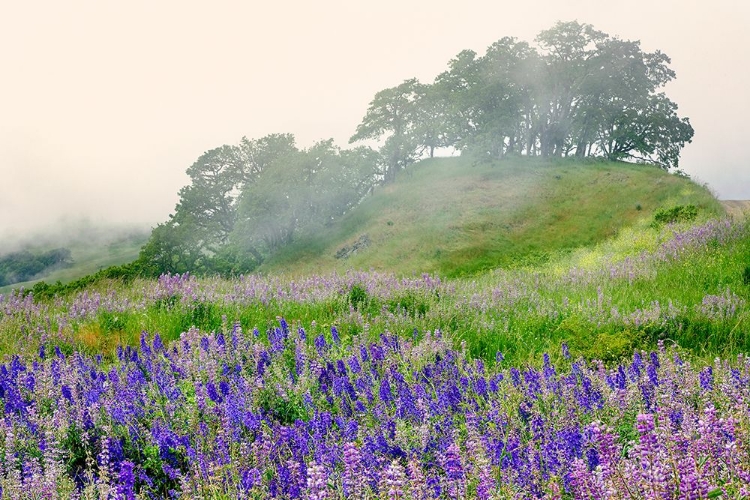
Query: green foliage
(410, 304)
(124, 273)
(78, 449)
(285, 410)
(593, 342)
(358, 297)
(679, 213)
(204, 315)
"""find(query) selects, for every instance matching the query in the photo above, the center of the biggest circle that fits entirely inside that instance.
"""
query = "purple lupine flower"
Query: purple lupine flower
(250, 478)
(533, 382)
(264, 360)
(300, 360)
(335, 335)
(145, 348)
(417, 482)
(276, 337)
(480, 386)
(292, 477)
(317, 482)
(583, 483)
(213, 395)
(394, 481)
(706, 378)
(515, 376)
(340, 367)
(236, 332)
(158, 344)
(126, 488)
(653, 469)
(621, 380)
(385, 391)
(495, 382)
(353, 475)
(691, 485)
(320, 343)
(648, 394)
(486, 487)
(354, 365)
(637, 365)
(454, 471)
(220, 341)
(204, 343)
(224, 388)
(654, 359)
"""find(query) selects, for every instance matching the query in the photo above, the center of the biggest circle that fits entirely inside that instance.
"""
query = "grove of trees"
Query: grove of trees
(576, 92)
(579, 92)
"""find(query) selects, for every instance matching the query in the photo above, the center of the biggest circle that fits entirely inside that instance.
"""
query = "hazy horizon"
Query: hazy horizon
(105, 105)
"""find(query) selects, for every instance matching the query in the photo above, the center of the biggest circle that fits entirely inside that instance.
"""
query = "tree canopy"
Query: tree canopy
(579, 92)
(247, 201)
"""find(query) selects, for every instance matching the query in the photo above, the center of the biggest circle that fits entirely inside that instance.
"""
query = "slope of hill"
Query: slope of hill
(96, 249)
(736, 208)
(455, 217)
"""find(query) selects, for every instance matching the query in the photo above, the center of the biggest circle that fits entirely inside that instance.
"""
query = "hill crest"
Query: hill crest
(456, 217)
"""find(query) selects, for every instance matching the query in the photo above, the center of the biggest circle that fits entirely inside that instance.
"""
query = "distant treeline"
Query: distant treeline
(23, 266)
(578, 92)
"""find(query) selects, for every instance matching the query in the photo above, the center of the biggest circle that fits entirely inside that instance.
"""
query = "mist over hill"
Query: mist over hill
(67, 251)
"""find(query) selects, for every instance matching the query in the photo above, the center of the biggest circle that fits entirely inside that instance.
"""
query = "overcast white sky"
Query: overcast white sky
(104, 104)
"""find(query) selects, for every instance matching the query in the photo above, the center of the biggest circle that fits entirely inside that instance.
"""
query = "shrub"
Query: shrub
(679, 213)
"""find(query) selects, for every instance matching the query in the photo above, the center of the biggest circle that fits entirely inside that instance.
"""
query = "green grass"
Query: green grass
(455, 218)
(521, 312)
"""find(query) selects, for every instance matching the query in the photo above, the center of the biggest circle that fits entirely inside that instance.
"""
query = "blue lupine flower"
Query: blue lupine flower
(706, 378)
(320, 343)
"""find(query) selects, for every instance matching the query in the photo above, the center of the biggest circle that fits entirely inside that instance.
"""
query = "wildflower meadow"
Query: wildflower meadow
(621, 373)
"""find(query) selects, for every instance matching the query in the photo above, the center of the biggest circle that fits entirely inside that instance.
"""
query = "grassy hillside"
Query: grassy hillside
(456, 218)
(99, 251)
